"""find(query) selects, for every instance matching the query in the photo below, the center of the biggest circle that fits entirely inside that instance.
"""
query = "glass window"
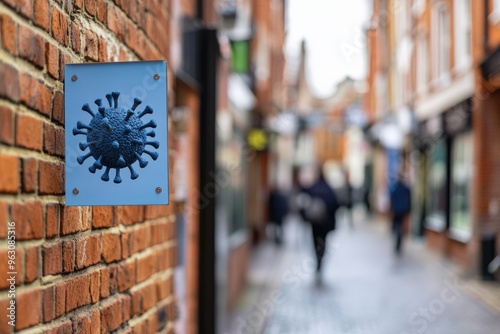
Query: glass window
(441, 43)
(436, 187)
(462, 33)
(460, 186)
(423, 68)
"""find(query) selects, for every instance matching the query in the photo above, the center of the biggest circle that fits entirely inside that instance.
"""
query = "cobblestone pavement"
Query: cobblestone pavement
(365, 289)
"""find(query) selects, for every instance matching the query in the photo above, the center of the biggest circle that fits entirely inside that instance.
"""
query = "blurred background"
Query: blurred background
(263, 94)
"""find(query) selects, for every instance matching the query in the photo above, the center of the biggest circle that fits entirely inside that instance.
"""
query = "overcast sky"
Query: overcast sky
(335, 40)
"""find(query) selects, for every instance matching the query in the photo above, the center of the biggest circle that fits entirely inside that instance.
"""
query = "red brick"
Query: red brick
(102, 216)
(79, 4)
(9, 82)
(4, 219)
(140, 327)
(41, 14)
(48, 306)
(156, 211)
(78, 293)
(76, 38)
(61, 327)
(103, 50)
(113, 278)
(86, 217)
(52, 220)
(111, 314)
(5, 269)
(53, 140)
(51, 178)
(68, 249)
(4, 325)
(126, 301)
(58, 107)
(88, 322)
(129, 215)
(60, 307)
(6, 126)
(126, 275)
(111, 248)
(125, 241)
(104, 282)
(94, 286)
(29, 175)
(88, 251)
(116, 22)
(164, 287)
(136, 304)
(59, 26)
(71, 220)
(28, 217)
(148, 294)
(152, 323)
(52, 59)
(9, 174)
(52, 259)
(102, 10)
(25, 7)
(91, 45)
(31, 46)
(146, 267)
(90, 7)
(32, 301)
(8, 34)
(28, 132)
(31, 264)
(35, 94)
(64, 58)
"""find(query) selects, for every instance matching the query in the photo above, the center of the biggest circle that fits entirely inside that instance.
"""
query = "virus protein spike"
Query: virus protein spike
(98, 163)
(83, 146)
(108, 97)
(82, 158)
(98, 102)
(133, 173)
(78, 132)
(129, 114)
(147, 110)
(81, 125)
(115, 98)
(136, 103)
(150, 124)
(153, 155)
(151, 133)
(102, 111)
(86, 108)
(155, 143)
(117, 179)
(127, 130)
(105, 176)
(121, 162)
(142, 163)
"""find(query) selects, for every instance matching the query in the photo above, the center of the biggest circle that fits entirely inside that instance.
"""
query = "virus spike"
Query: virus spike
(105, 122)
(98, 102)
(142, 163)
(115, 98)
(92, 169)
(98, 163)
(127, 130)
(136, 103)
(153, 155)
(115, 144)
(117, 179)
(82, 158)
(121, 162)
(81, 125)
(150, 124)
(129, 113)
(102, 111)
(151, 133)
(133, 173)
(86, 108)
(78, 132)
(105, 176)
(137, 141)
(83, 146)
(108, 96)
(147, 110)
(155, 143)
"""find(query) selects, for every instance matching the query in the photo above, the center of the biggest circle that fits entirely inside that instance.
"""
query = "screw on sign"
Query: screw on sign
(116, 137)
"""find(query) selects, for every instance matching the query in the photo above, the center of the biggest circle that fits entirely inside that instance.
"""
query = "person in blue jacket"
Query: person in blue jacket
(400, 208)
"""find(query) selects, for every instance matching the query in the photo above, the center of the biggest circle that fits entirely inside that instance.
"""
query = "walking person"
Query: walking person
(278, 210)
(320, 213)
(400, 208)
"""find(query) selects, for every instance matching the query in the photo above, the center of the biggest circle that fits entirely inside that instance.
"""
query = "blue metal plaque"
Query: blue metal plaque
(116, 133)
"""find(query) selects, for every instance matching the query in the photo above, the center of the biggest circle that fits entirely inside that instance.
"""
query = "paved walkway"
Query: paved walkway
(365, 289)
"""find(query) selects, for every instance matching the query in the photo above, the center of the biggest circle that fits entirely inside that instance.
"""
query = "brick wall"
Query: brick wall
(79, 269)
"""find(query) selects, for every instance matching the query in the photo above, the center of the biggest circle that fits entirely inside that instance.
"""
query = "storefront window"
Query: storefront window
(436, 187)
(460, 186)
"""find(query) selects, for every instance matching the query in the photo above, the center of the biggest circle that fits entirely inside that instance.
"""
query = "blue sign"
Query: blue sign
(116, 133)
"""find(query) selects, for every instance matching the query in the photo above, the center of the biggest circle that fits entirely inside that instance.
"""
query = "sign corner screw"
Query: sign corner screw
(158, 190)
(74, 78)
(76, 191)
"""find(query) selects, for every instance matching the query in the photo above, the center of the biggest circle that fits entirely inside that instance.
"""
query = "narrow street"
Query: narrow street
(364, 288)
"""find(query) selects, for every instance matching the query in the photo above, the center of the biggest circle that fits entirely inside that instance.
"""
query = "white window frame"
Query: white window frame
(441, 44)
(494, 16)
(422, 65)
(463, 31)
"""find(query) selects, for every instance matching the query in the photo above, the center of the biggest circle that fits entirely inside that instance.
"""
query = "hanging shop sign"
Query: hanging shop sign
(116, 133)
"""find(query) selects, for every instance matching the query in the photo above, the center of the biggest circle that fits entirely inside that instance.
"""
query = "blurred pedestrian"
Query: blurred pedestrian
(278, 210)
(400, 208)
(320, 213)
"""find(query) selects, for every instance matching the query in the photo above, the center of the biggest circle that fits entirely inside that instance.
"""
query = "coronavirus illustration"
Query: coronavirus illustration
(116, 137)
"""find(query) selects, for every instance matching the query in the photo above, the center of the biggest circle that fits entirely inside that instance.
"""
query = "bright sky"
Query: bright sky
(335, 40)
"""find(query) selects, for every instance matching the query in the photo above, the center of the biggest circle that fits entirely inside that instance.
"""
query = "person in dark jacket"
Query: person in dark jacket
(321, 227)
(400, 208)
